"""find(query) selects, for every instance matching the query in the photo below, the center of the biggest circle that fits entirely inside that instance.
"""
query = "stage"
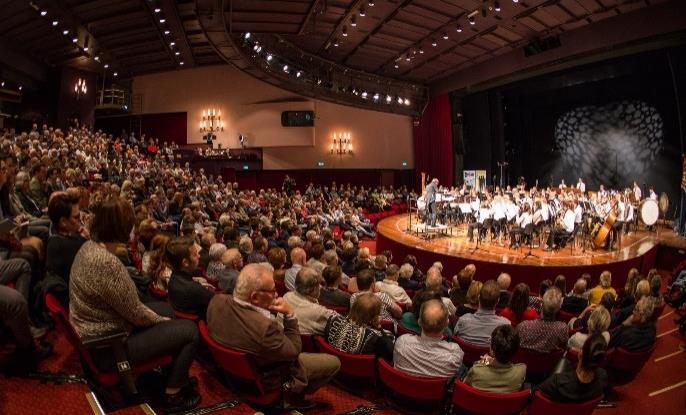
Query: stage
(639, 249)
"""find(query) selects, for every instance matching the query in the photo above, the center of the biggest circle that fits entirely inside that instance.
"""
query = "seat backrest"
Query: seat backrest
(472, 352)
(538, 363)
(233, 362)
(404, 330)
(388, 325)
(565, 316)
(542, 405)
(340, 309)
(626, 361)
(186, 316)
(480, 402)
(359, 365)
(307, 341)
(415, 387)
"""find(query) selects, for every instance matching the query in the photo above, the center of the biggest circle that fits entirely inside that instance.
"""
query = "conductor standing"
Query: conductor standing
(430, 198)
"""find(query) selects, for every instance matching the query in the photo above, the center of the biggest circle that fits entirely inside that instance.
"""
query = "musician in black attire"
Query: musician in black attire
(430, 198)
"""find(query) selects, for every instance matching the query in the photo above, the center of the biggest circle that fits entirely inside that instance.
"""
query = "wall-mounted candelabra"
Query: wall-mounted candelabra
(211, 121)
(342, 144)
(80, 88)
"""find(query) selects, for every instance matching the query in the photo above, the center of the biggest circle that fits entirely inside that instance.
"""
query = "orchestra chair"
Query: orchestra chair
(280, 287)
(358, 371)
(244, 378)
(467, 399)
(186, 316)
(538, 365)
(412, 394)
(541, 405)
(114, 341)
(623, 366)
(472, 352)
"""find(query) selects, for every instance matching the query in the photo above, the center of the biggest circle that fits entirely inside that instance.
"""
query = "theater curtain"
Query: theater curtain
(433, 142)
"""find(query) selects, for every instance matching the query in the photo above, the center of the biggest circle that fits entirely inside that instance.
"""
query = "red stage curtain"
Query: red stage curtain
(433, 142)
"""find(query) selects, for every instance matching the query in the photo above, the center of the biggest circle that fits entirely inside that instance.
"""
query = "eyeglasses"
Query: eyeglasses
(272, 291)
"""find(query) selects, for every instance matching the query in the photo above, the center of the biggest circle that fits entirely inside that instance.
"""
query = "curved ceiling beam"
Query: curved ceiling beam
(324, 79)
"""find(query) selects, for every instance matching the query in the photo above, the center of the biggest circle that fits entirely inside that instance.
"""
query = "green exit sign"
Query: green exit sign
(320, 164)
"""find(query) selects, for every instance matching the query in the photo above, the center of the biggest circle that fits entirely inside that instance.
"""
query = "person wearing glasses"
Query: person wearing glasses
(256, 321)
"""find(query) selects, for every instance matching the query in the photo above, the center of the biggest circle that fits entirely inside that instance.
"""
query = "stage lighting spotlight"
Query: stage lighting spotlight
(247, 35)
(458, 28)
(74, 40)
(65, 32)
(335, 42)
(370, 3)
(285, 68)
(177, 53)
(345, 31)
(407, 102)
(172, 43)
(2, 84)
(107, 65)
(21, 87)
(43, 13)
(421, 50)
(407, 57)
(55, 22)
(496, 6)
(362, 12)
(515, 1)
(181, 63)
(298, 74)
(163, 20)
(472, 21)
(115, 74)
(85, 49)
(434, 43)
(353, 21)
(400, 100)
(97, 58)
(157, 10)
(166, 32)
(269, 57)
(364, 94)
(388, 99)
(445, 35)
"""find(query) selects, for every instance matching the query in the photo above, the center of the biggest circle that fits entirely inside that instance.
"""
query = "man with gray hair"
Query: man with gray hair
(233, 263)
(504, 280)
(545, 334)
(434, 281)
(390, 286)
(575, 302)
(244, 322)
(312, 316)
(637, 333)
(298, 259)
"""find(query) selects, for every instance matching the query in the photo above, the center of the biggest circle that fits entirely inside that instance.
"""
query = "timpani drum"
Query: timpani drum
(649, 212)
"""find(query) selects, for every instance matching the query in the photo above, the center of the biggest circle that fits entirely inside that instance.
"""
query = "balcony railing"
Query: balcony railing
(113, 98)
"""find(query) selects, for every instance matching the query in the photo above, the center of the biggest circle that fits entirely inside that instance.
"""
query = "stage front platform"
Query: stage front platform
(639, 249)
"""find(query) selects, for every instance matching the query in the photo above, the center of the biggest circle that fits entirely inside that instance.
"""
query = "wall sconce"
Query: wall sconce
(80, 88)
(211, 121)
(342, 144)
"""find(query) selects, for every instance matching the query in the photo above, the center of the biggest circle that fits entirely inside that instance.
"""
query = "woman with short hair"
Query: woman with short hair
(598, 322)
(518, 309)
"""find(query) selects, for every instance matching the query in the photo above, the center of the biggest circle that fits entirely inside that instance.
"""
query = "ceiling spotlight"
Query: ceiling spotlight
(515, 1)
(370, 3)
(43, 13)
(353, 21)
(298, 74)
(400, 100)
(85, 49)
(319, 81)
(97, 58)
(65, 32)
(2, 84)
(115, 74)
(55, 22)
(362, 12)
(172, 43)
(163, 20)
(407, 57)
(496, 6)
(259, 49)
(407, 102)
(364, 94)
(166, 32)
(269, 58)
(74, 40)
(376, 96)
(177, 53)
(181, 63)
(434, 43)
(107, 65)
(458, 28)
(285, 68)
(396, 66)
(21, 87)
(335, 42)
(445, 35)
(421, 50)
(388, 99)
(472, 21)
(157, 10)
(345, 31)
(255, 47)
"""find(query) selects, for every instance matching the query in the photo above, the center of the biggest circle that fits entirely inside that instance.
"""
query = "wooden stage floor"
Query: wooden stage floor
(634, 245)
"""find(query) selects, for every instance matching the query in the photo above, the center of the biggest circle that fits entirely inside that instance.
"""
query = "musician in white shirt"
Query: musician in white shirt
(652, 194)
(523, 220)
(637, 192)
(578, 213)
(483, 214)
(562, 231)
(581, 186)
(562, 184)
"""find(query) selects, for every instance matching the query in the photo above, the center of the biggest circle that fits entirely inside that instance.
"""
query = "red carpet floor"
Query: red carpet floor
(27, 396)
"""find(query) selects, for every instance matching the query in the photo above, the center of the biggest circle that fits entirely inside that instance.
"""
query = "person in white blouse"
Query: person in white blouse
(581, 186)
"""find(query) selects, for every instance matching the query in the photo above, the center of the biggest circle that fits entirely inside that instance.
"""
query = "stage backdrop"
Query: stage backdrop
(612, 123)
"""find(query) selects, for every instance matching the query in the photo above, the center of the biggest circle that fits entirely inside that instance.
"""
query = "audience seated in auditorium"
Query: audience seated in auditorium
(215, 265)
(68, 234)
(331, 294)
(311, 316)
(207, 239)
(536, 301)
(625, 296)
(581, 322)
(390, 286)
(471, 303)
(461, 283)
(379, 267)
(160, 270)
(583, 383)
(504, 280)
(410, 319)
(620, 314)
(259, 251)
(428, 354)
(298, 260)
(360, 332)
(434, 282)
(186, 291)
(365, 282)
(636, 333)
(477, 328)
(316, 255)
(561, 283)
(605, 286)
(405, 280)
(103, 298)
(545, 334)
(277, 259)
(598, 322)
(518, 309)
(575, 302)
(244, 321)
(495, 372)
(233, 263)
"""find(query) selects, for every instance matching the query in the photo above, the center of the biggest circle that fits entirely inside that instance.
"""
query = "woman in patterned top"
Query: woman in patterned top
(360, 332)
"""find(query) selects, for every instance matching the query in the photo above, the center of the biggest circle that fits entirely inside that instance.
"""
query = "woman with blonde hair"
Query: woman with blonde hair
(598, 322)
(471, 303)
(605, 286)
(627, 294)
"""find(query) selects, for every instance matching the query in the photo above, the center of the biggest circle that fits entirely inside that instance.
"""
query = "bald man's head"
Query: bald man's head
(504, 281)
(433, 318)
(298, 256)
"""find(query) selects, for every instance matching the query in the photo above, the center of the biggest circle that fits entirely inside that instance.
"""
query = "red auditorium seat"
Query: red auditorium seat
(186, 316)
(404, 330)
(280, 287)
(307, 341)
(342, 310)
(538, 365)
(360, 368)
(565, 316)
(157, 293)
(241, 369)
(623, 366)
(478, 402)
(541, 405)
(472, 352)
(116, 342)
(410, 393)
(388, 325)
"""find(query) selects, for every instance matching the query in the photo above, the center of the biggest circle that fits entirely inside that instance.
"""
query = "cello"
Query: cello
(604, 231)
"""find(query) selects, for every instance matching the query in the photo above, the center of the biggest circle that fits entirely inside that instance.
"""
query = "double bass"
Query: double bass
(604, 231)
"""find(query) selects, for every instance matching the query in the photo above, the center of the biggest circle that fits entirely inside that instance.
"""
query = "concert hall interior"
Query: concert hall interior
(343, 207)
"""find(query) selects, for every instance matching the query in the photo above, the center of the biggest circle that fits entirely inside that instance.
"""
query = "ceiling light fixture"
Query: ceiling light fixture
(21, 87)
(55, 22)
(247, 35)
(2, 84)
(43, 13)
(97, 58)
(407, 57)
(85, 49)
(421, 50)
(181, 63)
(458, 29)
(177, 53)
(335, 42)
(298, 74)
(496, 6)
(74, 40)
(376, 96)
(65, 32)
(353, 21)
(370, 3)
(434, 43)
(166, 32)
(285, 68)
(445, 35)
(396, 66)
(116, 74)
(364, 94)
(400, 100)
(157, 10)
(407, 102)
(388, 99)
(345, 31)
(172, 43)
(162, 20)
(362, 11)
(269, 57)
(515, 1)
(472, 21)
